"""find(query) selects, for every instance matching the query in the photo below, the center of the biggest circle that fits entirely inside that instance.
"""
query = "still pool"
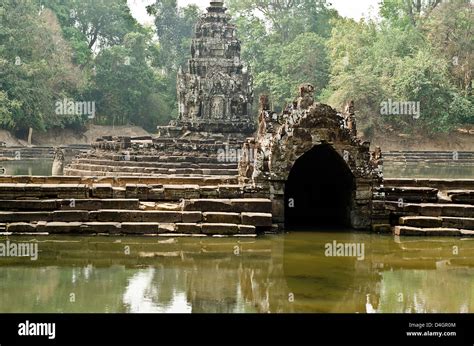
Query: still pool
(27, 167)
(277, 273)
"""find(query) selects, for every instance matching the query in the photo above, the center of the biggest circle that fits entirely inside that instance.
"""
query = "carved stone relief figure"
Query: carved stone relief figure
(217, 107)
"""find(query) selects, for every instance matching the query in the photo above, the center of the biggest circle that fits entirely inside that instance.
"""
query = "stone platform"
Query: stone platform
(427, 207)
(130, 205)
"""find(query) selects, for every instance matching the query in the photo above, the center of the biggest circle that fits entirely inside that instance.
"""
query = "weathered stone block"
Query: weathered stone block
(161, 216)
(230, 191)
(69, 216)
(247, 229)
(421, 221)
(364, 194)
(188, 228)
(28, 205)
(222, 205)
(119, 192)
(8, 216)
(257, 219)
(414, 231)
(191, 216)
(209, 192)
(115, 216)
(102, 191)
(101, 227)
(218, 228)
(257, 205)
(20, 227)
(156, 194)
(139, 228)
(164, 228)
(220, 217)
(60, 227)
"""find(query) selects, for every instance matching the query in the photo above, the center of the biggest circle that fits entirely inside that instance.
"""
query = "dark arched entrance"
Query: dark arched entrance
(319, 191)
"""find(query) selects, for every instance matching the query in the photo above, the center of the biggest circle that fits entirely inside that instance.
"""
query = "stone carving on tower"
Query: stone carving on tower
(215, 90)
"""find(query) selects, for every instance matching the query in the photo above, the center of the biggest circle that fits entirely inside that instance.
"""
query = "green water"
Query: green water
(431, 170)
(27, 167)
(281, 273)
(444, 170)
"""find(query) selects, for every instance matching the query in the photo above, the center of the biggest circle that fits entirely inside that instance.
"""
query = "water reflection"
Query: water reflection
(288, 273)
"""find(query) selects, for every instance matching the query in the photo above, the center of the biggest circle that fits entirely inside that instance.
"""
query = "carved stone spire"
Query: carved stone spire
(215, 90)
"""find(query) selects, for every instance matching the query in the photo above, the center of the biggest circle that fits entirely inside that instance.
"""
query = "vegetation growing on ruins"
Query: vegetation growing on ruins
(94, 50)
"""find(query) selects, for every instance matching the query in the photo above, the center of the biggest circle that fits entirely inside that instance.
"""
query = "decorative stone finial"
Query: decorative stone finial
(217, 6)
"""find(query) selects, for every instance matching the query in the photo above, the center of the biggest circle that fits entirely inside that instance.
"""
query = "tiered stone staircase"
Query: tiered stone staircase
(159, 157)
(39, 152)
(432, 157)
(434, 207)
(128, 205)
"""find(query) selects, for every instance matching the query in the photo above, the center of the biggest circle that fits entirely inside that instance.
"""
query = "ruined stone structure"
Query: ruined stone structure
(208, 174)
(215, 89)
(313, 164)
(58, 162)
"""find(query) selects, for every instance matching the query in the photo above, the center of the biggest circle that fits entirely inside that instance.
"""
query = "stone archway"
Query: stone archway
(286, 141)
(319, 191)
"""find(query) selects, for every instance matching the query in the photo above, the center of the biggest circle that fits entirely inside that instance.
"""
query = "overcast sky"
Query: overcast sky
(355, 9)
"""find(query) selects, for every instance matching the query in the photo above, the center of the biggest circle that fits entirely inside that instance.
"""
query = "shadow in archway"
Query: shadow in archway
(319, 191)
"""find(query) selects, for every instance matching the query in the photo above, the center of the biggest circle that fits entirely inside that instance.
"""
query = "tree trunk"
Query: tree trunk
(30, 134)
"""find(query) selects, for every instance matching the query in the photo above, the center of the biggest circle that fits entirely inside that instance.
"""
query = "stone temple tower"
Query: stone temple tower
(215, 91)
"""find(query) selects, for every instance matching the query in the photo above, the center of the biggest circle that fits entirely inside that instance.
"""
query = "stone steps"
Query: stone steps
(433, 232)
(466, 223)
(123, 215)
(36, 152)
(224, 216)
(440, 184)
(67, 204)
(132, 168)
(127, 228)
(429, 156)
(79, 172)
(409, 194)
(255, 205)
(431, 209)
(461, 196)
(169, 165)
(155, 192)
(119, 181)
(188, 159)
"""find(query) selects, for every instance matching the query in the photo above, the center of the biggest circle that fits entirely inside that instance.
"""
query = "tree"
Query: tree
(450, 30)
(127, 88)
(36, 68)
(174, 27)
(289, 18)
(407, 12)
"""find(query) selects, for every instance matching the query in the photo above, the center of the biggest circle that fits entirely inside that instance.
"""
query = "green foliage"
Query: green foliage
(174, 28)
(127, 87)
(94, 50)
(402, 59)
(35, 67)
(287, 47)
